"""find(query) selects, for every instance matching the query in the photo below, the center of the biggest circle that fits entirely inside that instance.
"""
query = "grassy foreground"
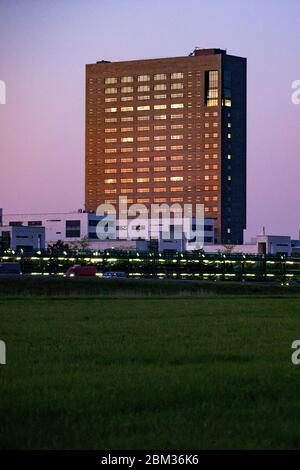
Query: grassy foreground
(149, 373)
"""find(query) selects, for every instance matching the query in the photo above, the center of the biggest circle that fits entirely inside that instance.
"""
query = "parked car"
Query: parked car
(114, 274)
(78, 270)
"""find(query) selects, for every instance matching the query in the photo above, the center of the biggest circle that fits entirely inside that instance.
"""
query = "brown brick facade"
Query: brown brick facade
(151, 135)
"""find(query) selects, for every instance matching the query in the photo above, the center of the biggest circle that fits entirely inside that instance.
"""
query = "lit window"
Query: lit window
(126, 180)
(110, 170)
(110, 120)
(111, 110)
(143, 78)
(175, 189)
(127, 108)
(143, 180)
(160, 117)
(160, 87)
(177, 157)
(126, 190)
(143, 139)
(111, 90)
(160, 159)
(126, 149)
(110, 80)
(143, 88)
(126, 119)
(177, 75)
(143, 190)
(110, 100)
(126, 170)
(110, 191)
(143, 108)
(127, 79)
(126, 160)
(143, 97)
(110, 181)
(176, 95)
(126, 98)
(126, 129)
(160, 179)
(176, 168)
(143, 128)
(160, 148)
(176, 199)
(110, 140)
(127, 89)
(110, 160)
(176, 147)
(160, 137)
(176, 178)
(176, 137)
(143, 118)
(176, 116)
(176, 105)
(127, 139)
(160, 190)
(160, 76)
(142, 170)
(160, 168)
(143, 149)
(160, 199)
(143, 200)
(159, 128)
(177, 126)
(160, 106)
(110, 150)
(143, 159)
(160, 97)
(176, 86)
(109, 130)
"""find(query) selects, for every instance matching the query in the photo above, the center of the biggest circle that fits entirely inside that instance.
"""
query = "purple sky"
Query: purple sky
(45, 44)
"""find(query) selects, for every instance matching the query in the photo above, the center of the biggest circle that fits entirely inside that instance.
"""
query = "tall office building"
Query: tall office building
(170, 131)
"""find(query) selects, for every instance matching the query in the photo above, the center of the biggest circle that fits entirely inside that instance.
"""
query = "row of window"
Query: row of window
(142, 88)
(159, 148)
(144, 108)
(142, 169)
(144, 180)
(143, 97)
(156, 159)
(144, 138)
(143, 159)
(158, 117)
(159, 200)
(173, 189)
(112, 130)
(143, 78)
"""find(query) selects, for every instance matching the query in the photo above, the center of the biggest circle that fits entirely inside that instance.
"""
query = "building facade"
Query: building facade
(170, 131)
(26, 238)
(80, 229)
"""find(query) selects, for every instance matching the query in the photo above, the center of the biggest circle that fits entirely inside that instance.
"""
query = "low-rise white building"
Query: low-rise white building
(75, 228)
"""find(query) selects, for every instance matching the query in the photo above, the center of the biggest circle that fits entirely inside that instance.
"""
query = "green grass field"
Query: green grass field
(147, 373)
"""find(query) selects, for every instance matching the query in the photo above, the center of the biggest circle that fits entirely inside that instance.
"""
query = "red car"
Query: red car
(78, 270)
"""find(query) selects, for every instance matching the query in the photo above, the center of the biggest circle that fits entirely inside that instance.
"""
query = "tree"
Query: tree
(58, 248)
